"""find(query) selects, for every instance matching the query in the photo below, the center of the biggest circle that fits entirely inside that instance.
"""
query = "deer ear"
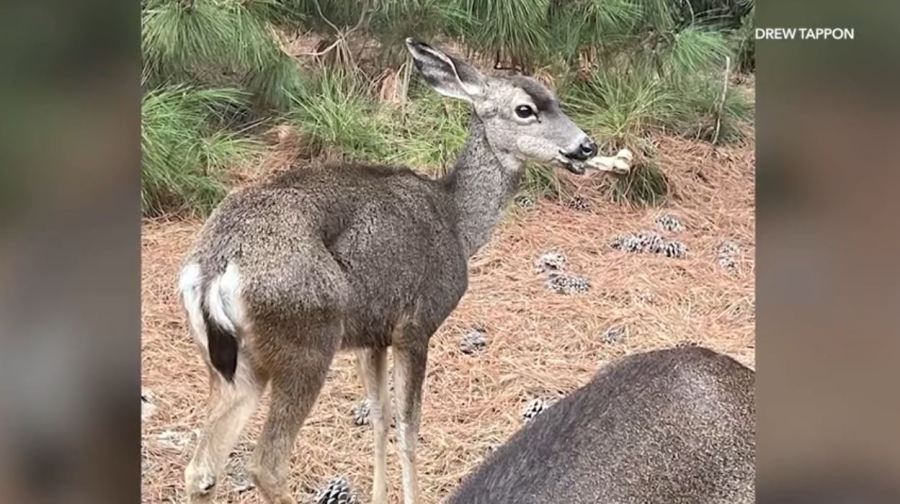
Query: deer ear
(448, 75)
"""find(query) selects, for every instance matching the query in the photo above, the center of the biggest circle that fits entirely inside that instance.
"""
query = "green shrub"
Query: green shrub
(743, 43)
(579, 24)
(429, 132)
(511, 31)
(216, 43)
(395, 20)
(645, 184)
(336, 115)
(542, 181)
(185, 152)
(677, 89)
(719, 14)
(618, 104)
(677, 86)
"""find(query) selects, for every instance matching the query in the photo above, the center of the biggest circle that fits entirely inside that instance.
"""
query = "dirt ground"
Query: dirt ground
(540, 343)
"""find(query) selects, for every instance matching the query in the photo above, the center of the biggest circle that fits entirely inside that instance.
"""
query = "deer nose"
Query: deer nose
(583, 152)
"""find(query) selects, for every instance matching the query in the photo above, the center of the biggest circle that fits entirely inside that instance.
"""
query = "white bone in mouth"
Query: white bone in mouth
(620, 163)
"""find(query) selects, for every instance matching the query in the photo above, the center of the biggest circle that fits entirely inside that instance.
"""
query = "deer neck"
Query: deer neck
(482, 182)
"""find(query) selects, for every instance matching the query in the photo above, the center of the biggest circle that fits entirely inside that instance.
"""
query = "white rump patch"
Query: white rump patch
(190, 283)
(224, 299)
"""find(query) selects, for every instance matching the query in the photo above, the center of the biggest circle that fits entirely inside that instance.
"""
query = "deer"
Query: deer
(362, 258)
(667, 426)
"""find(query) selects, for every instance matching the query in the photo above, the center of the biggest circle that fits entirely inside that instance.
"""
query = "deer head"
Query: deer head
(521, 116)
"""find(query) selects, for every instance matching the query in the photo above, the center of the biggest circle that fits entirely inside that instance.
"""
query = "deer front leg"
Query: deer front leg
(373, 371)
(409, 375)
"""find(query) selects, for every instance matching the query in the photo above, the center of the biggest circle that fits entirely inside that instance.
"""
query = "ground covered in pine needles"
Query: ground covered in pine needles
(616, 280)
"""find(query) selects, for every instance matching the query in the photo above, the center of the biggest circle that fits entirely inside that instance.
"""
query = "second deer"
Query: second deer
(673, 426)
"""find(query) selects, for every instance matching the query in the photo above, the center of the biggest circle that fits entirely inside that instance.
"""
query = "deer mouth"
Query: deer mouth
(576, 167)
(619, 164)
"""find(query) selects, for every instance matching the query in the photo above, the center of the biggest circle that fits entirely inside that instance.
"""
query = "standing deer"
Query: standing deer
(286, 273)
(670, 426)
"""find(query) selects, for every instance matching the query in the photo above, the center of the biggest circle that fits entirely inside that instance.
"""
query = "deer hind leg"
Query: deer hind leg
(231, 402)
(373, 371)
(230, 407)
(409, 376)
(298, 369)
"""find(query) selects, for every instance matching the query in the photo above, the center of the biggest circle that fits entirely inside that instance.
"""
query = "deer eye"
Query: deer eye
(524, 111)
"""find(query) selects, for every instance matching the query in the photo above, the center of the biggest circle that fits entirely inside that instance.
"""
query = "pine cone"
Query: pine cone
(579, 203)
(533, 409)
(236, 468)
(674, 249)
(638, 242)
(614, 335)
(728, 251)
(474, 341)
(652, 243)
(361, 413)
(524, 201)
(550, 261)
(563, 283)
(337, 491)
(668, 222)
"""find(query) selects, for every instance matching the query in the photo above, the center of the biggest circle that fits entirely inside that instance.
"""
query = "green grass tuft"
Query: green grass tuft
(677, 90)
(542, 181)
(514, 31)
(619, 104)
(336, 116)
(695, 51)
(210, 42)
(645, 184)
(429, 132)
(185, 154)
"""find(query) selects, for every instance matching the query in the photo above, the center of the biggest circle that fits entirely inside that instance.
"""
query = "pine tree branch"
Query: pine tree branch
(341, 35)
(321, 15)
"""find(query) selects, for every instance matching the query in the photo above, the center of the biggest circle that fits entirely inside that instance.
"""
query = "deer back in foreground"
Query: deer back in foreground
(667, 426)
(286, 273)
